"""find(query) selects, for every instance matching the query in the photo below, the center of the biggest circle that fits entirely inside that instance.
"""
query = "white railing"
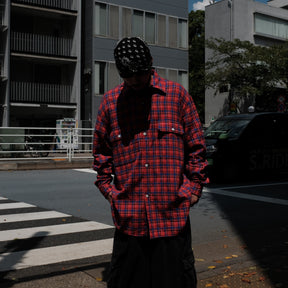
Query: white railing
(41, 44)
(62, 4)
(24, 143)
(40, 92)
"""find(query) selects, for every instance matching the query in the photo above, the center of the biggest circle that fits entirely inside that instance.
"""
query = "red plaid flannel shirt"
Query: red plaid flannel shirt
(152, 143)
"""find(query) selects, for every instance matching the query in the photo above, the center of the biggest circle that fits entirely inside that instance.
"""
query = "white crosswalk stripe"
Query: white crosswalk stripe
(31, 216)
(15, 205)
(52, 230)
(52, 255)
(22, 229)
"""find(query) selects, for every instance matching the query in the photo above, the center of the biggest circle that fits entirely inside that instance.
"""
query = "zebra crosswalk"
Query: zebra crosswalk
(31, 236)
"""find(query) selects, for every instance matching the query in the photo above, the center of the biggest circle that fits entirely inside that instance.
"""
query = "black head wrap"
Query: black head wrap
(132, 56)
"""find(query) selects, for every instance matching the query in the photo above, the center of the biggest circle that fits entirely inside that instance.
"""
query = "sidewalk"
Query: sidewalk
(57, 163)
(228, 277)
(217, 269)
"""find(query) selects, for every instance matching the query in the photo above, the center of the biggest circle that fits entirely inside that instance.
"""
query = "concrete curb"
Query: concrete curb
(45, 164)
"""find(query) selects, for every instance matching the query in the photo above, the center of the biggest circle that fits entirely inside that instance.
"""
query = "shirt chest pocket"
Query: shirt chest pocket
(171, 139)
(123, 151)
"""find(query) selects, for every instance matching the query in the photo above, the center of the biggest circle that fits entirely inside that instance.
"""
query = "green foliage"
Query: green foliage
(249, 70)
(197, 59)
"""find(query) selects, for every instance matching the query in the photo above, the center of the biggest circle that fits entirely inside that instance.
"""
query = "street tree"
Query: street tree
(251, 72)
(197, 59)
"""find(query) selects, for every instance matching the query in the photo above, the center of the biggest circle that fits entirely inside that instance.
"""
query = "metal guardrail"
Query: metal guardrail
(40, 93)
(63, 4)
(41, 44)
(24, 143)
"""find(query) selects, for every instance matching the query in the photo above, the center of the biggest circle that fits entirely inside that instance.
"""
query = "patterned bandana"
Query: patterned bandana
(132, 56)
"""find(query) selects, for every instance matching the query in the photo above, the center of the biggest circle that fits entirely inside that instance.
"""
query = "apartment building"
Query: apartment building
(247, 20)
(40, 60)
(56, 56)
(162, 24)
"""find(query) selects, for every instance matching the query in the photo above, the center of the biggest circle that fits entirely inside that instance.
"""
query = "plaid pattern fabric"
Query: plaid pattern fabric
(152, 143)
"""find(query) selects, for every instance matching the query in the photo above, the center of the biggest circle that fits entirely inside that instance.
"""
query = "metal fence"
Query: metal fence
(40, 93)
(24, 143)
(62, 4)
(41, 44)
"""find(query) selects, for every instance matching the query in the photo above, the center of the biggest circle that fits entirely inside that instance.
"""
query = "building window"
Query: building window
(150, 27)
(99, 77)
(172, 75)
(100, 19)
(183, 34)
(114, 22)
(183, 79)
(161, 20)
(126, 22)
(271, 26)
(162, 72)
(137, 27)
(172, 32)
(113, 78)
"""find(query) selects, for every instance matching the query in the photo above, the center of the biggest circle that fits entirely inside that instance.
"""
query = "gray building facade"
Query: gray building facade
(162, 24)
(247, 20)
(40, 62)
(56, 57)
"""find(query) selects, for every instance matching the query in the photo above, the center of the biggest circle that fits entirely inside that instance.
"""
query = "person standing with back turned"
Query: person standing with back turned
(149, 136)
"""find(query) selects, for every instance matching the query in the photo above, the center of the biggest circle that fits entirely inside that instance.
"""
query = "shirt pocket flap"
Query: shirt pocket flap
(171, 127)
(115, 136)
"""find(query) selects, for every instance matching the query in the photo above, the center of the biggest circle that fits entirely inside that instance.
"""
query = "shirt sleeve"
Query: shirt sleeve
(195, 149)
(102, 152)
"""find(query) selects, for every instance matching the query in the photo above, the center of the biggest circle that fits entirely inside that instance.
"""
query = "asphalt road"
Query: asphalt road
(233, 225)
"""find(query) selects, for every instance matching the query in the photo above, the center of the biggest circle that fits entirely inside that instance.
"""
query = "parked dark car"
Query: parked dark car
(248, 145)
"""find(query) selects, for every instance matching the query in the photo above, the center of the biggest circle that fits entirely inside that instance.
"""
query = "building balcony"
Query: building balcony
(29, 92)
(1, 71)
(41, 44)
(58, 4)
(1, 18)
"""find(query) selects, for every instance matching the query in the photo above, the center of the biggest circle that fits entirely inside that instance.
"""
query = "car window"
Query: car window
(270, 128)
(232, 127)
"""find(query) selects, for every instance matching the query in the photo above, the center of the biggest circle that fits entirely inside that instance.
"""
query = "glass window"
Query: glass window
(172, 32)
(100, 19)
(183, 33)
(99, 77)
(271, 26)
(113, 76)
(162, 72)
(114, 22)
(137, 27)
(183, 79)
(233, 127)
(150, 26)
(126, 22)
(172, 75)
(161, 30)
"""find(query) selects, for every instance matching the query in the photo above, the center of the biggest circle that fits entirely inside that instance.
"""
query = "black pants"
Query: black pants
(140, 262)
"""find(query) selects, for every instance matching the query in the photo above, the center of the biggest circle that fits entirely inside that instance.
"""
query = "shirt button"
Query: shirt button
(173, 129)
(144, 133)
(147, 196)
(146, 165)
(119, 136)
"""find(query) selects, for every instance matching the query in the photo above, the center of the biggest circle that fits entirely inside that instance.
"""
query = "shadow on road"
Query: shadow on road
(13, 253)
(263, 227)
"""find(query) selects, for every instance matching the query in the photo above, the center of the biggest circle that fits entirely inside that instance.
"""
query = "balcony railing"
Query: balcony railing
(61, 4)
(40, 93)
(1, 16)
(41, 44)
(1, 70)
